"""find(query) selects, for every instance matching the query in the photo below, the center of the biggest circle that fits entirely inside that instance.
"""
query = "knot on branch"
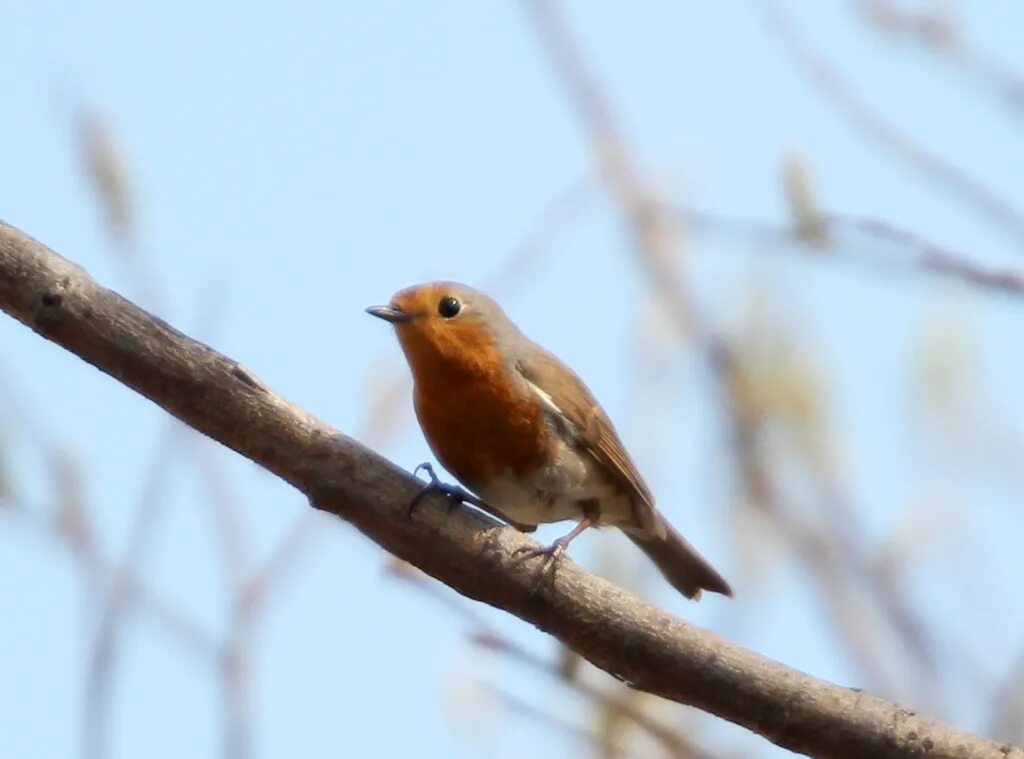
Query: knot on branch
(54, 304)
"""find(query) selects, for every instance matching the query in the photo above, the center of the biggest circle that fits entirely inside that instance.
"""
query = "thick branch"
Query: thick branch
(646, 647)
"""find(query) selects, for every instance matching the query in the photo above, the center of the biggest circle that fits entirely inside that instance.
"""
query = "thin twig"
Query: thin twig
(112, 609)
(671, 740)
(931, 29)
(906, 249)
(652, 229)
(566, 205)
(934, 167)
(545, 717)
(112, 606)
(103, 573)
(487, 636)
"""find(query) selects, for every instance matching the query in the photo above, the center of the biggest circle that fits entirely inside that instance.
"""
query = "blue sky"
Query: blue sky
(292, 165)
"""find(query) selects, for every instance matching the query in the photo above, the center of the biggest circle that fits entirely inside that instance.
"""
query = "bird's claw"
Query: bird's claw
(427, 467)
(456, 495)
(551, 553)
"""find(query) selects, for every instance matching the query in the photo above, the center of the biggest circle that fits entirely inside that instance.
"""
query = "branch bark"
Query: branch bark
(632, 640)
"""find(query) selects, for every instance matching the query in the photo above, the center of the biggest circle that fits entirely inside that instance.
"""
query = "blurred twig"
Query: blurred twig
(379, 424)
(907, 249)
(545, 717)
(802, 201)
(653, 230)
(935, 29)
(119, 586)
(486, 636)
(810, 543)
(101, 572)
(113, 604)
(775, 395)
(833, 87)
(675, 744)
(103, 164)
(105, 168)
(521, 259)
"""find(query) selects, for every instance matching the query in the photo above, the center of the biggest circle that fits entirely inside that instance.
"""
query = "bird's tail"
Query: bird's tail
(679, 562)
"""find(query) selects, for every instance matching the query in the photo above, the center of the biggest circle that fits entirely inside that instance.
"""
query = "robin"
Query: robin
(519, 429)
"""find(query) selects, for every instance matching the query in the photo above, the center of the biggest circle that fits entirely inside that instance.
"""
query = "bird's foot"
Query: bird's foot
(456, 495)
(550, 553)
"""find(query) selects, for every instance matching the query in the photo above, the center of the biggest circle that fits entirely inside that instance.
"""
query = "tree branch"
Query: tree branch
(648, 648)
(898, 247)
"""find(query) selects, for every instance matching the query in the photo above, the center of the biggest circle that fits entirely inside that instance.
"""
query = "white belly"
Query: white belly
(559, 492)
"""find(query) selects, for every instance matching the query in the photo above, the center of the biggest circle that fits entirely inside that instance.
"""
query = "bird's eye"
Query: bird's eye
(449, 307)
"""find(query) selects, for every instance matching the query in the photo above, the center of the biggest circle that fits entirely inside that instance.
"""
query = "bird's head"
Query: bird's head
(447, 326)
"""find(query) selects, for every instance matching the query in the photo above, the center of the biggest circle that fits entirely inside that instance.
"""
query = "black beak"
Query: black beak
(389, 314)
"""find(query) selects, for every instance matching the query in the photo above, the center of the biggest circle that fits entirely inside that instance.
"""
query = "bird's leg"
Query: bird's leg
(552, 552)
(558, 546)
(457, 495)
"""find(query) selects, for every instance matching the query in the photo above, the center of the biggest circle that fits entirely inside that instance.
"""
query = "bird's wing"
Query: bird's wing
(565, 396)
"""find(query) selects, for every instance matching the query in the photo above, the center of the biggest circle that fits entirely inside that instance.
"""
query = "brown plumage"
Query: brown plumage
(522, 430)
(476, 423)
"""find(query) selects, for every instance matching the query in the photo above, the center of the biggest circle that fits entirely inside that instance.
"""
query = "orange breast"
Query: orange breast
(479, 427)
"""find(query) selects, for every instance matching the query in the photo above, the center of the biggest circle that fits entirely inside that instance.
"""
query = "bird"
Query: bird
(523, 434)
